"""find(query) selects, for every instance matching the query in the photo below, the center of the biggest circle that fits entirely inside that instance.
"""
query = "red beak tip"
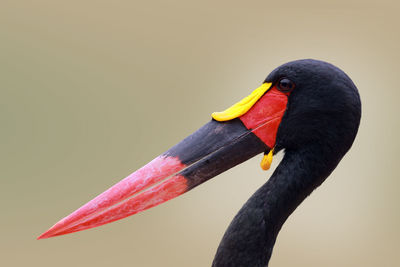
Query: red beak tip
(49, 233)
(151, 185)
(42, 236)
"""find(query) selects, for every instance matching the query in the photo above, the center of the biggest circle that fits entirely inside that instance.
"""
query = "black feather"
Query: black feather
(318, 128)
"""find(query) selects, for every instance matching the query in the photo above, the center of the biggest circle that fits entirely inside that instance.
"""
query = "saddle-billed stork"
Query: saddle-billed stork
(308, 108)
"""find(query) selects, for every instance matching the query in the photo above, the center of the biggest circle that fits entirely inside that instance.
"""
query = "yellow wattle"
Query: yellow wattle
(243, 105)
(267, 160)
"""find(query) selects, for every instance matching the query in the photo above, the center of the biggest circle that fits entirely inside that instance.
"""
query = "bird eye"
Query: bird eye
(285, 85)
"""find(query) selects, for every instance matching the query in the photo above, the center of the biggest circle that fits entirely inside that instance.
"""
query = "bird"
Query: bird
(308, 109)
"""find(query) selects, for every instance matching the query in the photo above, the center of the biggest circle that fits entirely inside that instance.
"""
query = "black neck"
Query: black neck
(250, 238)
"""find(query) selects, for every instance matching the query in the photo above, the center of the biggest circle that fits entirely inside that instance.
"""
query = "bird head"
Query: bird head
(300, 104)
(323, 108)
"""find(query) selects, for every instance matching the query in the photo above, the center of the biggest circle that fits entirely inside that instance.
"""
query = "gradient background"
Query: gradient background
(92, 90)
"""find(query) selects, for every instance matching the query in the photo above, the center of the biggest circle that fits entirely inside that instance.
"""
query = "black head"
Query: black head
(324, 106)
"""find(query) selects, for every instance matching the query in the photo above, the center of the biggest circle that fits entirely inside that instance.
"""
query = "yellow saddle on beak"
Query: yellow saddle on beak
(243, 105)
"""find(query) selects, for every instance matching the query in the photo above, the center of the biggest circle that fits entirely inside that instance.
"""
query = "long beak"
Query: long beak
(234, 136)
(211, 150)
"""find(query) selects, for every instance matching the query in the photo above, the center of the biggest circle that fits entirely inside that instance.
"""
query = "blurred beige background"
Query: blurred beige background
(92, 90)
